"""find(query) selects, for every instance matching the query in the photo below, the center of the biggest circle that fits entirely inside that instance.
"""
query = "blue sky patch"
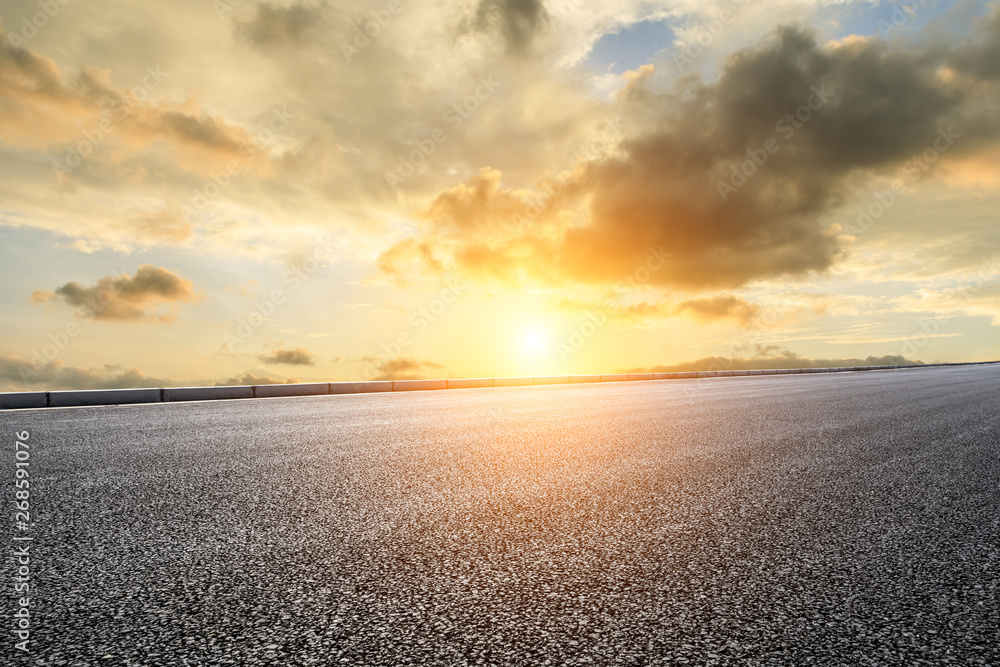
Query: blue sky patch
(631, 47)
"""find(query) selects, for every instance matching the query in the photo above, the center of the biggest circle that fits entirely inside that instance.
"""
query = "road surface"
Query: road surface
(783, 520)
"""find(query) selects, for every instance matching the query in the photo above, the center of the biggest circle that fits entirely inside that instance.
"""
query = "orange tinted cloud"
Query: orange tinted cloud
(737, 181)
(86, 114)
(721, 307)
(403, 368)
(249, 378)
(785, 359)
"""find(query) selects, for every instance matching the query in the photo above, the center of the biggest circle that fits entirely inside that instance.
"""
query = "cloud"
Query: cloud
(976, 297)
(25, 375)
(279, 25)
(297, 357)
(249, 378)
(356, 117)
(982, 59)
(397, 262)
(786, 359)
(124, 297)
(18, 374)
(737, 177)
(708, 309)
(516, 22)
(166, 224)
(401, 368)
(87, 114)
(500, 233)
(721, 307)
(620, 312)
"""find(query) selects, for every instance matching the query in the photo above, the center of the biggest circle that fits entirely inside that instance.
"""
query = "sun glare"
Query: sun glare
(534, 340)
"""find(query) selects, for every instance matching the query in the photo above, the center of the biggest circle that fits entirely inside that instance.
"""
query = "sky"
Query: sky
(239, 192)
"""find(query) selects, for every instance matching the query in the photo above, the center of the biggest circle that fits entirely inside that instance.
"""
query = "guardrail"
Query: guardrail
(63, 399)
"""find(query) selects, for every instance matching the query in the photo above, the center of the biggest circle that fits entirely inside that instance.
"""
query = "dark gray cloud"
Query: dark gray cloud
(123, 297)
(737, 177)
(297, 357)
(982, 58)
(517, 22)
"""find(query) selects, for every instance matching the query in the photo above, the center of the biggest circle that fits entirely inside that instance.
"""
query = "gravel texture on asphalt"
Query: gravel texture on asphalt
(847, 519)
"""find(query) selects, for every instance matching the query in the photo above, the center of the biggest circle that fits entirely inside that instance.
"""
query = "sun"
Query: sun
(534, 340)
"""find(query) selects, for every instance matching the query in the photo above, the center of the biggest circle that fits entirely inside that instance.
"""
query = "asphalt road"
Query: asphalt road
(845, 519)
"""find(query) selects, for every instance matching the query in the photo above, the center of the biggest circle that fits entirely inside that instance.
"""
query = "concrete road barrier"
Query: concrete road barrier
(512, 382)
(552, 379)
(474, 383)
(281, 390)
(24, 399)
(360, 387)
(172, 394)
(418, 385)
(65, 399)
(41, 399)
